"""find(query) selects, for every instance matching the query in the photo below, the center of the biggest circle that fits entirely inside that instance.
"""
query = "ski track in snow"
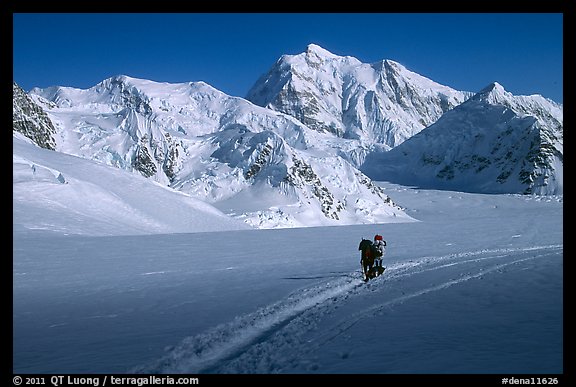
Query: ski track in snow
(264, 341)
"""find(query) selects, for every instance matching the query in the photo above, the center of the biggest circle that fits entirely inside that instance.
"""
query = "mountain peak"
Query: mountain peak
(314, 49)
(387, 64)
(347, 98)
(120, 78)
(126, 80)
(493, 93)
(493, 87)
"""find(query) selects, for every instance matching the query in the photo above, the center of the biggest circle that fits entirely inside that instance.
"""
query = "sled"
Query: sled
(374, 272)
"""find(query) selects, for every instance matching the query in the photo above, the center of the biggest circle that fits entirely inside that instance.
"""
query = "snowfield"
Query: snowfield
(62, 193)
(475, 286)
(174, 229)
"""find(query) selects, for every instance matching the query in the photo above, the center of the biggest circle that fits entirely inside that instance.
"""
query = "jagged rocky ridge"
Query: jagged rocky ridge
(30, 119)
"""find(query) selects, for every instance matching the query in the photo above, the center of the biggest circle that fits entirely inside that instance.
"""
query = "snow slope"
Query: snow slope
(476, 286)
(71, 195)
(494, 142)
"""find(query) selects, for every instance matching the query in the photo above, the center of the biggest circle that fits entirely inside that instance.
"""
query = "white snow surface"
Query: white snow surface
(475, 286)
(71, 195)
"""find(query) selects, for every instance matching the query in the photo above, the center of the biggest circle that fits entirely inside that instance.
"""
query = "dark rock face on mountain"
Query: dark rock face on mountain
(30, 119)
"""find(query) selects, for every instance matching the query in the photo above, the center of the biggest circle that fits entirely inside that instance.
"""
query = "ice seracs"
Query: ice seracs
(252, 162)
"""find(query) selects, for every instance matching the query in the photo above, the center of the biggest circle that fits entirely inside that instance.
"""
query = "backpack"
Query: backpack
(367, 248)
(376, 253)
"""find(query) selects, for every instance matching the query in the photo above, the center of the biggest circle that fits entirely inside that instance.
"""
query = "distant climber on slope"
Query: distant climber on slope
(366, 259)
(379, 248)
(371, 258)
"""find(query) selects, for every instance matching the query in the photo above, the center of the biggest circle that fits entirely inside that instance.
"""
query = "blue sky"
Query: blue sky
(521, 51)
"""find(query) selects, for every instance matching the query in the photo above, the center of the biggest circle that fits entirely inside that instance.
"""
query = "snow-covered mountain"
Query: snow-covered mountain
(379, 103)
(66, 194)
(494, 142)
(256, 164)
(294, 157)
